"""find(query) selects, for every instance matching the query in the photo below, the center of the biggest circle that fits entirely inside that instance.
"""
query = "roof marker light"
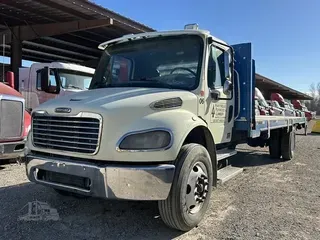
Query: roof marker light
(192, 26)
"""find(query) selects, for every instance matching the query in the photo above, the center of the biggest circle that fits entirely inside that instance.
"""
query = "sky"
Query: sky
(285, 34)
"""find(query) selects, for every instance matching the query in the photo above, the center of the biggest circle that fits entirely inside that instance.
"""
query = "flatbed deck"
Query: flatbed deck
(267, 123)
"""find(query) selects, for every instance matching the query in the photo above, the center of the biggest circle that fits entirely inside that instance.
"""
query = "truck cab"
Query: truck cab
(163, 110)
(43, 81)
(15, 123)
(298, 105)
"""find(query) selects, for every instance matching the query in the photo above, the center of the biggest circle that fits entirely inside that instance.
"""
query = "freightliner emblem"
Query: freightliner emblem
(63, 110)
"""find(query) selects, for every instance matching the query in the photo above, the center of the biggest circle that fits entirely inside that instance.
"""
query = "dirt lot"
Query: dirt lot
(269, 200)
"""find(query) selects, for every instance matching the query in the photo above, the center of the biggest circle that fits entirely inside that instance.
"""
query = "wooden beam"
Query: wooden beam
(61, 50)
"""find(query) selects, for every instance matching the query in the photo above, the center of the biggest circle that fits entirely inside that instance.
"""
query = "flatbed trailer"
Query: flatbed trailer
(268, 123)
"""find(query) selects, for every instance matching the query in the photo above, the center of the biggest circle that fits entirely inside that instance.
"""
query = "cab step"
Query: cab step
(225, 153)
(228, 172)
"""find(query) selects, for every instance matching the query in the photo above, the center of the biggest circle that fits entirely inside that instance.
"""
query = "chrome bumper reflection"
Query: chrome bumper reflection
(131, 182)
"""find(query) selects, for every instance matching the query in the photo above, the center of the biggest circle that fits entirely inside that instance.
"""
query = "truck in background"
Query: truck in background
(298, 105)
(265, 108)
(160, 131)
(277, 99)
(15, 121)
(64, 78)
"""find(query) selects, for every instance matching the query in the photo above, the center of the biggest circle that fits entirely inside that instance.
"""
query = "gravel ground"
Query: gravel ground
(269, 200)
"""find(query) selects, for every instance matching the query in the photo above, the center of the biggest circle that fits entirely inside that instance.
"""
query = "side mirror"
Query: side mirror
(44, 78)
(46, 83)
(227, 87)
(226, 61)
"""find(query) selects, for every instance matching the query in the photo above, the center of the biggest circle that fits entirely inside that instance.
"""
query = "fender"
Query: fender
(180, 122)
(27, 123)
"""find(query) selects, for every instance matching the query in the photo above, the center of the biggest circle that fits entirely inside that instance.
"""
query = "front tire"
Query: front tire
(191, 189)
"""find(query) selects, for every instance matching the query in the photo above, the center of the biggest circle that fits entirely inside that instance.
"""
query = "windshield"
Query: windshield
(164, 62)
(70, 79)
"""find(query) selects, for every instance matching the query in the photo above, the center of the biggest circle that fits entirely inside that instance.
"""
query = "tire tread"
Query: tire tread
(168, 209)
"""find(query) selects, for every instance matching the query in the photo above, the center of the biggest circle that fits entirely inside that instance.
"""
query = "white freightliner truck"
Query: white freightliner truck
(163, 109)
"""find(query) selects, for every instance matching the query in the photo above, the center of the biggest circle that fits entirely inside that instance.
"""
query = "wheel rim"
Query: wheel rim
(197, 188)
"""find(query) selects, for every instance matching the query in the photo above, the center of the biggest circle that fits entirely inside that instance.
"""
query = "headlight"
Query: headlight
(147, 140)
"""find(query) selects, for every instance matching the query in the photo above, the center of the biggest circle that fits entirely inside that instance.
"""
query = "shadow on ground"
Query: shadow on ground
(79, 218)
(252, 159)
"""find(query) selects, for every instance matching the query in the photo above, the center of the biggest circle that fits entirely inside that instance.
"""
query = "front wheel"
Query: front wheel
(191, 189)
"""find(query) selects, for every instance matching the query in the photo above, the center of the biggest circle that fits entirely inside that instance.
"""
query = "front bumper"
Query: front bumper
(11, 150)
(112, 181)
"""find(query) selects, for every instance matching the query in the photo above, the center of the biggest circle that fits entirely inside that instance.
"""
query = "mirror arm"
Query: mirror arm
(215, 94)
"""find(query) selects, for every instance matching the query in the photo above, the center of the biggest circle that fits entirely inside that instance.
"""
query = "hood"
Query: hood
(4, 89)
(118, 99)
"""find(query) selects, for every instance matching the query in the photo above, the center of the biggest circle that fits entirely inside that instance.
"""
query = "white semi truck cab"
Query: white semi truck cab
(64, 79)
(162, 110)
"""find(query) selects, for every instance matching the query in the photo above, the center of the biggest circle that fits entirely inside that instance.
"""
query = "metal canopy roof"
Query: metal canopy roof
(80, 46)
(76, 46)
(268, 86)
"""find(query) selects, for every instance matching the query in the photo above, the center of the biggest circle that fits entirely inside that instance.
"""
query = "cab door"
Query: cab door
(220, 102)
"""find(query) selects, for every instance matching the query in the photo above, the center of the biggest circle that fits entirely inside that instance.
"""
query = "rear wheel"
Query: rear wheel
(191, 189)
(275, 144)
(288, 144)
(306, 129)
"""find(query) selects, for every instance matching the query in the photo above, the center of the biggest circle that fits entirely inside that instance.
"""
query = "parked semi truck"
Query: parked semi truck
(159, 131)
(15, 122)
(64, 78)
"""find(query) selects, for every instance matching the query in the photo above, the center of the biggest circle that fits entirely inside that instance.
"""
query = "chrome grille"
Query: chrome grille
(73, 134)
(11, 118)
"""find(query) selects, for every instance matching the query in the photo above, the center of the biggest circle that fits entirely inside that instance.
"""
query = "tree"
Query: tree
(314, 104)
